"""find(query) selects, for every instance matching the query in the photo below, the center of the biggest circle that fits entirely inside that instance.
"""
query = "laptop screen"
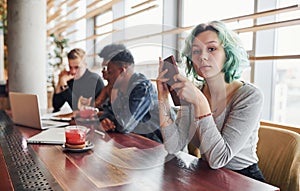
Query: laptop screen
(25, 111)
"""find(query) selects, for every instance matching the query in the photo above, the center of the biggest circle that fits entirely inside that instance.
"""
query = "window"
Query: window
(145, 50)
(287, 88)
(103, 35)
(283, 87)
(141, 22)
(206, 11)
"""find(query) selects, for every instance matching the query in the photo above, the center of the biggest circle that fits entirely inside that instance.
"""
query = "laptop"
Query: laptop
(54, 136)
(25, 111)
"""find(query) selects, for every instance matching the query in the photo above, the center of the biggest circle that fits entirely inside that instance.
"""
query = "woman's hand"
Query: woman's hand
(185, 89)
(163, 92)
(188, 92)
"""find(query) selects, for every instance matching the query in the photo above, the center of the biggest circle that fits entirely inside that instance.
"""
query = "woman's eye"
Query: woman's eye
(211, 49)
(196, 51)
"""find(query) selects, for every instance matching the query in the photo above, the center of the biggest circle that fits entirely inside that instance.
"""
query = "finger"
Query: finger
(109, 124)
(112, 125)
(178, 84)
(161, 62)
(105, 124)
(102, 126)
(160, 66)
(161, 76)
(179, 77)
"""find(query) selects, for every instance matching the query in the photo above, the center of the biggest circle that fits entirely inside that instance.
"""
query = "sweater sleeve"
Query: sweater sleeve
(177, 135)
(59, 99)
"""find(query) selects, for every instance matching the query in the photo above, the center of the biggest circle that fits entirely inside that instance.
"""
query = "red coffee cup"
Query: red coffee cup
(75, 136)
(88, 112)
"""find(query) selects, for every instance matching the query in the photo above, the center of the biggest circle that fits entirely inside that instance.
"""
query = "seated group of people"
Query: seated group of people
(128, 102)
(222, 115)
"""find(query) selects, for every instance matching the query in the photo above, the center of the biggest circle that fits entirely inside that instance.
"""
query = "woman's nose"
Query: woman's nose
(203, 56)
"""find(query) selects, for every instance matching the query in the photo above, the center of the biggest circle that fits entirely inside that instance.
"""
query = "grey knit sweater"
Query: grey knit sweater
(228, 140)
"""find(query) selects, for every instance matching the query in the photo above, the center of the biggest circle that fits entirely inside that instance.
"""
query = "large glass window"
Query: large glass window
(103, 32)
(142, 24)
(142, 34)
(285, 93)
(287, 88)
(199, 11)
(196, 12)
(103, 29)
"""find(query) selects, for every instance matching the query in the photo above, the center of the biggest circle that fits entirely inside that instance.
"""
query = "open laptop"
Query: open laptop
(25, 111)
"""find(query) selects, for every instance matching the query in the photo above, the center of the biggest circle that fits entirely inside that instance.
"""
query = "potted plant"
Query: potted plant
(57, 52)
(3, 30)
(56, 55)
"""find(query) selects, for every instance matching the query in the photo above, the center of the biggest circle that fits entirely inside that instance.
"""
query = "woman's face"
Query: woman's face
(208, 54)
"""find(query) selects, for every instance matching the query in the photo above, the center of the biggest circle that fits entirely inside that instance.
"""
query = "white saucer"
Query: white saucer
(88, 146)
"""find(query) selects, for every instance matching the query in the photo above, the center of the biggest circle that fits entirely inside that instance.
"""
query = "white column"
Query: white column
(27, 54)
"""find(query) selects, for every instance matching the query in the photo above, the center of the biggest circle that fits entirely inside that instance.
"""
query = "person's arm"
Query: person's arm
(99, 87)
(163, 99)
(130, 111)
(177, 135)
(104, 95)
(62, 91)
(63, 79)
(242, 121)
(59, 99)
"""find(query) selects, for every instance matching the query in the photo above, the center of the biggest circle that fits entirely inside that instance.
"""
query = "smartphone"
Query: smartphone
(170, 64)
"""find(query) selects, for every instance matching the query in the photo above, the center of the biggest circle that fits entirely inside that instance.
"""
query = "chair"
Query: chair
(278, 151)
(282, 126)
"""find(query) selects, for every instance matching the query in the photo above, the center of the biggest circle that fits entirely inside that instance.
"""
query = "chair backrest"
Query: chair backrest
(282, 126)
(278, 151)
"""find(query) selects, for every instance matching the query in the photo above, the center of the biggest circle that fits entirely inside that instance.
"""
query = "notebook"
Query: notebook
(25, 111)
(49, 136)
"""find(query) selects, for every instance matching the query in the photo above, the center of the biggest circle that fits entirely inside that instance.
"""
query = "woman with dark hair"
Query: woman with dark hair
(223, 114)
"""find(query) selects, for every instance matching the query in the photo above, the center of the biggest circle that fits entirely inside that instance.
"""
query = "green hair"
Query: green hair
(235, 54)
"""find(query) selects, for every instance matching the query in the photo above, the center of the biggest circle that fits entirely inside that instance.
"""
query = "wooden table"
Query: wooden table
(117, 162)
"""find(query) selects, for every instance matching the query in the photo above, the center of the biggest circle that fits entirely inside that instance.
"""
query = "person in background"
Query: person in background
(78, 87)
(105, 94)
(134, 106)
(223, 115)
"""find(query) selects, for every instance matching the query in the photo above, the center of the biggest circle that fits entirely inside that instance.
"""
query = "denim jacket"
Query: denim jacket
(136, 110)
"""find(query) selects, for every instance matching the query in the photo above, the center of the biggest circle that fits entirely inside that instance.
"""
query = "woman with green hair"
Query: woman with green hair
(222, 117)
